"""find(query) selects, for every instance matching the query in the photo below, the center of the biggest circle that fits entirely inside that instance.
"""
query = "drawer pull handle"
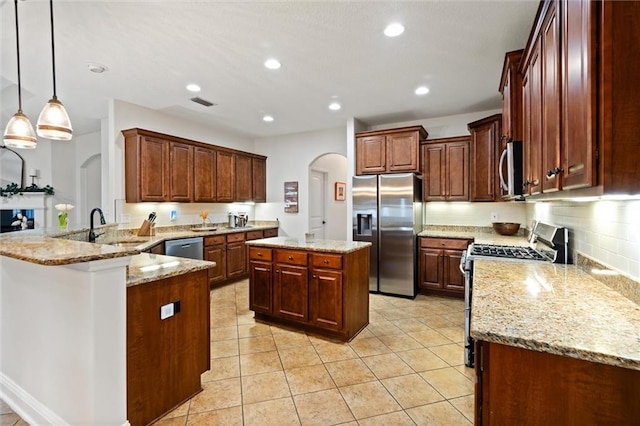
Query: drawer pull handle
(277, 271)
(325, 261)
(315, 276)
(259, 253)
(290, 257)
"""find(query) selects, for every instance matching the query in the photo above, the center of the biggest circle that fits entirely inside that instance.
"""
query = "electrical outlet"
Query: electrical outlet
(494, 217)
(173, 216)
(125, 218)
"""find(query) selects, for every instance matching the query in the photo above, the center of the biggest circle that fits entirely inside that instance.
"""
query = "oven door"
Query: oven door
(466, 267)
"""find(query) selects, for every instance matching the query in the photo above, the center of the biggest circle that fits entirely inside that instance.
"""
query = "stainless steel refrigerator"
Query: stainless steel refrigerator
(387, 212)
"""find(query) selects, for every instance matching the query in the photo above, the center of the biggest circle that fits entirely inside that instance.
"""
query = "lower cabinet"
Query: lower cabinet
(236, 252)
(215, 250)
(439, 266)
(323, 292)
(517, 386)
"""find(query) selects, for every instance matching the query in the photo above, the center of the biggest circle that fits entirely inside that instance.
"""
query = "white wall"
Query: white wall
(86, 146)
(335, 166)
(124, 116)
(608, 231)
(289, 157)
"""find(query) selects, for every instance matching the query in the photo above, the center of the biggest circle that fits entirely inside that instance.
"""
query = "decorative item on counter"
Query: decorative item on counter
(204, 215)
(309, 237)
(63, 216)
(506, 228)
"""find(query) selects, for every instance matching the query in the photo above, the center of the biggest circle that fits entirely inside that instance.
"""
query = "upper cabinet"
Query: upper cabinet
(485, 140)
(161, 168)
(510, 88)
(580, 98)
(389, 151)
(446, 169)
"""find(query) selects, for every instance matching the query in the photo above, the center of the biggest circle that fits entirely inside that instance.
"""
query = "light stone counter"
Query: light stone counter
(331, 246)
(145, 267)
(480, 235)
(556, 309)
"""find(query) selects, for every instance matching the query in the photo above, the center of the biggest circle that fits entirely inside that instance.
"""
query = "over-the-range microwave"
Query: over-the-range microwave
(510, 170)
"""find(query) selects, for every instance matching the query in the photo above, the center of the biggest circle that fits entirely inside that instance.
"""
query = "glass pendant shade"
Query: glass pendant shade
(53, 122)
(19, 132)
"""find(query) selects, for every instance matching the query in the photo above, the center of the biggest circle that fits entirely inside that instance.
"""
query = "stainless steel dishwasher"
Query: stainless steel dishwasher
(184, 247)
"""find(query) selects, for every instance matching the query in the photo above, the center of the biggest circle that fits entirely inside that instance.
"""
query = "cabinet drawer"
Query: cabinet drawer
(254, 235)
(260, 253)
(235, 237)
(333, 261)
(271, 232)
(291, 257)
(214, 240)
(448, 243)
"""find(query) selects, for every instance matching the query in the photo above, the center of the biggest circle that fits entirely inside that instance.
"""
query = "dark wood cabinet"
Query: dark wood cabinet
(146, 168)
(236, 255)
(215, 250)
(485, 141)
(446, 169)
(439, 266)
(259, 166)
(160, 168)
(204, 175)
(510, 88)
(326, 293)
(389, 151)
(532, 127)
(517, 386)
(157, 249)
(180, 172)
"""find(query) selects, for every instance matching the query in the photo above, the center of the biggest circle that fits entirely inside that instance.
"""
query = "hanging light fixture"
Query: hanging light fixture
(19, 132)
(53, 122)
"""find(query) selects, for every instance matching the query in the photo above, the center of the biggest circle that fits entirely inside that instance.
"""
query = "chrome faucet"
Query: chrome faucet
(92, 233)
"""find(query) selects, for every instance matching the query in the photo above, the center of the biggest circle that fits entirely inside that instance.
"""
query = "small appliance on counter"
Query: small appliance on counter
(239, 220)
(547, 243)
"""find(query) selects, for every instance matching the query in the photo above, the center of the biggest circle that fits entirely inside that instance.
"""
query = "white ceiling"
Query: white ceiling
(328, 49)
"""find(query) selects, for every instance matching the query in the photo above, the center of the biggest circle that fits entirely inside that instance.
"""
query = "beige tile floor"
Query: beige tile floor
(405, 368)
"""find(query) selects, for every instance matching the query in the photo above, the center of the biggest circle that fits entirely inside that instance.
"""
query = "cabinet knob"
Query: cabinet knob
(325, 261)
(526, 183)
(259, 253)
(315, 276)
(554, 172)
(290, 258)
(277, 271)
(268, 270)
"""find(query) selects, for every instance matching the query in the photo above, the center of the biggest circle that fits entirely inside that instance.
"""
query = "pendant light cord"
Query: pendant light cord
(53, 49)
(18, 50)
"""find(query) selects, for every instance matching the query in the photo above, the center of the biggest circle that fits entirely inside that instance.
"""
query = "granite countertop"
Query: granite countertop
(146, 267)
(331, 246)
(554, 308)
(480, 235)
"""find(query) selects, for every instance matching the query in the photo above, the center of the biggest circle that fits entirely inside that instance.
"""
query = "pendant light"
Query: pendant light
(53, 122)
(19, 132)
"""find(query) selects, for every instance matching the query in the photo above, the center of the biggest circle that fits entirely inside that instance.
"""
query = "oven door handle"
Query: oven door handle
(463, 260)
(462, 269)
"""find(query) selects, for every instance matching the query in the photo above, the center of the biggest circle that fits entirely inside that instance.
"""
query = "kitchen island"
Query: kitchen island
(64, 330)
(554, 346)
(321, 286)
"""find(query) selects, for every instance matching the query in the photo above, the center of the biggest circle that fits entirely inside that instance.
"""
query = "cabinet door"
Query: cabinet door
(434, 175)
(243, 178)
(225, 172)
(204, 175)
(371, 155)
(325, 299)
(453, 278)
(551, 181)
(260, 282)
(181, 172)
(291, 292)
(484, 139)
(236, 264)
(578, 94)
(259, 180)
(402, 150)
(533, 136)
(216, 254)
(431, 268)
(457, 171)
(154, 169)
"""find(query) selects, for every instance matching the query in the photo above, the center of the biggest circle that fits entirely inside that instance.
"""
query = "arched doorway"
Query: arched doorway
(327, 216)
(90, 184)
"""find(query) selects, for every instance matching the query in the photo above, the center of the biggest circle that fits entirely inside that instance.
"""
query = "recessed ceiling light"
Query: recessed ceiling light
(97, 68)
(193, 87)
(334, 106)
(394, 30)
(422, 90)
(272, 64)
(268, 118)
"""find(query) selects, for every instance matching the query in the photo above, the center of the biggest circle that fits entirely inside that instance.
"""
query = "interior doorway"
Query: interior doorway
(327, 215)
(90, 185)
(317, 189)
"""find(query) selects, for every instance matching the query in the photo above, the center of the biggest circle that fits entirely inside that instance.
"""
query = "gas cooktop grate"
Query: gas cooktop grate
(507, 252)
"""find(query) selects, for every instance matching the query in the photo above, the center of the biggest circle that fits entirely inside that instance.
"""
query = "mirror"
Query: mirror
(11, 167)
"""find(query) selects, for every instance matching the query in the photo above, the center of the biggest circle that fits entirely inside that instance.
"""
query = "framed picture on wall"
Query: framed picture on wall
(340, 190)
(291, 197)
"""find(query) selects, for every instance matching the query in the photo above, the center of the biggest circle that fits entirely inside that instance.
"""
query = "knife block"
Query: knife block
(147, 229)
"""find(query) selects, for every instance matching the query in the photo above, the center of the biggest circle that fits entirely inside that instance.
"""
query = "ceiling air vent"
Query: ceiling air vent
(201, 101)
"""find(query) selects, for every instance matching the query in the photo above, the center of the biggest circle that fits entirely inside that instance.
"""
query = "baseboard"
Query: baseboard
(25, 405)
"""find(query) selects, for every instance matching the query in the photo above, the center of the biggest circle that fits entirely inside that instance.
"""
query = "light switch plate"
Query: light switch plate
(166, 311)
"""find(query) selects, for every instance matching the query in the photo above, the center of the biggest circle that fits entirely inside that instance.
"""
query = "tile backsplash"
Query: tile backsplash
(607, 231)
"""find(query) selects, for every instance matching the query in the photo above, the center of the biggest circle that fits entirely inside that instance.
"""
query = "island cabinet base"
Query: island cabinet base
(518, 386)
(165, 357)
(321, 292)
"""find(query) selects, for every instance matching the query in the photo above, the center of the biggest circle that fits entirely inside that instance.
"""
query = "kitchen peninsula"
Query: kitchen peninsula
(80, 316)
(320, 286)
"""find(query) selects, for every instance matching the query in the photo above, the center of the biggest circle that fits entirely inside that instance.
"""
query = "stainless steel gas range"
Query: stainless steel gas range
(547, 243)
